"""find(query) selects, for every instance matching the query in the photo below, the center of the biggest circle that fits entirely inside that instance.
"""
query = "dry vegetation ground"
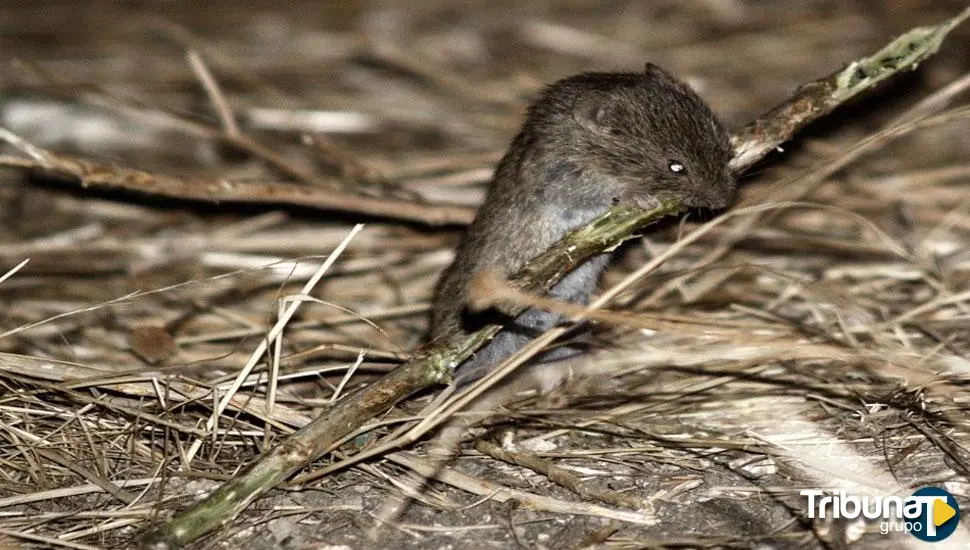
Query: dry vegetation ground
(823, 345)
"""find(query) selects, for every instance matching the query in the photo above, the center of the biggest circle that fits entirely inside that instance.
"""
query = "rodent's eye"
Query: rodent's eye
(676, 167)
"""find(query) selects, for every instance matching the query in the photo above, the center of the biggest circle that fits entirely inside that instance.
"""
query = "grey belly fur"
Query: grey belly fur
(575, 287)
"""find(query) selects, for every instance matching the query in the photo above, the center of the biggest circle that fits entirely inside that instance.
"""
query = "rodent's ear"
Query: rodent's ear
(658, 72)
(593, 113)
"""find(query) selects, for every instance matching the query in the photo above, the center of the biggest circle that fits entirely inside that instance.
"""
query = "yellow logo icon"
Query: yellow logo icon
(942, 512)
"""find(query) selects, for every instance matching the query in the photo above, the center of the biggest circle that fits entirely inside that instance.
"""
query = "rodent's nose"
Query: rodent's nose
(714, 196)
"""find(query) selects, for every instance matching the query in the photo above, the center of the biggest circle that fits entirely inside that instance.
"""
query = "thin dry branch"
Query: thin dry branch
(501, 493)
(559, 475)
(433, 364)
(820, 97)
(95, 175)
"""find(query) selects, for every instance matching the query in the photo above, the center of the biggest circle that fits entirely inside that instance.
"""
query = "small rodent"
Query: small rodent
(589, 142)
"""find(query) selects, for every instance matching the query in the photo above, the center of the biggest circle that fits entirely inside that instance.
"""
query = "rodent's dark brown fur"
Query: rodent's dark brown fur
(589, 142)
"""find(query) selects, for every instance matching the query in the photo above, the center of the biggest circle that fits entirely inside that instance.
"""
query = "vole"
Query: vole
(589, 143)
